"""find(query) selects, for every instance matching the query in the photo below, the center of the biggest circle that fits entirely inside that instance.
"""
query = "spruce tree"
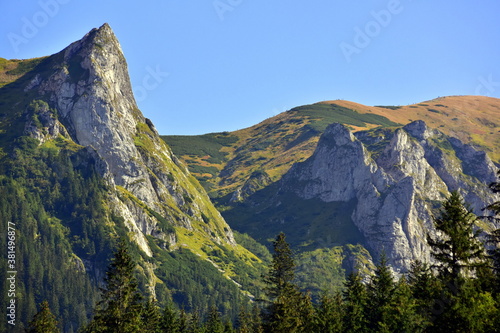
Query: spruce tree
(457, 248)
(494, 237)
(120, 308)
(355, 305)
(244, 321)
(214, 322)
(170, 320)
(403, 314)
(494, 255)
(151, 317)
(329, 314)
(193, 324)
(289, 310)
(185, 324)
(44, 321)
(460, 256)
(256, 321)
(380, 295)
(425, 290)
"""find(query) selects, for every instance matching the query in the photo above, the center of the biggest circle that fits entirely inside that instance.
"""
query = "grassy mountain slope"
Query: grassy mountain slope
(11, 70)
(472, 119)
(224, 161)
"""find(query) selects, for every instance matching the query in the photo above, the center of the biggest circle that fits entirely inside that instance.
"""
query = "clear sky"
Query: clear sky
(212, 65)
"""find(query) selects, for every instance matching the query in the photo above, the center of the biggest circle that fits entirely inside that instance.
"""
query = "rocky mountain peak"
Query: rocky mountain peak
(419, 130)
(393, 179)
(89, 88)
(338, 133)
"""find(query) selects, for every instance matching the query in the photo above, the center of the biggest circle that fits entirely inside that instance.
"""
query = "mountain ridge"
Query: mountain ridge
(76, 147)
(224, 161)
(379, 188)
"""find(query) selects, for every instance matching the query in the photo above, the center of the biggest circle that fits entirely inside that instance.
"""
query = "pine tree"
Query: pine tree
(170, 321)
(329, 314)
(458, 249)
(256, 321)
(494, 255)
(355, 305)
(193, 324)
(403, 314)
(494, 237)
(380, 295)
(425, 290)
(120, 308)
(244, 321)
(185, 324)
(151, 317)
(44, 321)
(289, 310)
(461, 257)
(214, 322)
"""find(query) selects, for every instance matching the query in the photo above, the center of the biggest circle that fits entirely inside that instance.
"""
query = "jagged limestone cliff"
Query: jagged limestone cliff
(385, 183)
(83, 165)
(91, 93)
(397, 178)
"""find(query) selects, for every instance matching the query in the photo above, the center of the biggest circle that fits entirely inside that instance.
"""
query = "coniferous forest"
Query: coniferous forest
(459, 292)
(106, 228)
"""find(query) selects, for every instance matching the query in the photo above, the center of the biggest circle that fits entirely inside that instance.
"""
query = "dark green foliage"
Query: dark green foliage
(494, 254)
(214, 322)
(390, 107)
(253, 246)
(325, 114)
(244, 321)
(458, 250)
(56, 203)
(196, 284)
(202, 145)
(494, 237)
(151, 317)
(329, 314)
(288, 310)
(403, 314)
(170, 321)
(425, 290)
(380, 295)
(321, 270)
(464, 304)
(320, 246)
(355, 304)
(120, 308)
(292, 217)
(44, 321)
(282, 271)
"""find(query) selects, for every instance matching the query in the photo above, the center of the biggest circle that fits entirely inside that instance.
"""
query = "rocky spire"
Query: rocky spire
(89, 87)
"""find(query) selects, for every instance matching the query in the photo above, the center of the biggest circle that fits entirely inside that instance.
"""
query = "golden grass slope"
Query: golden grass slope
(277, 143)
(472, 119)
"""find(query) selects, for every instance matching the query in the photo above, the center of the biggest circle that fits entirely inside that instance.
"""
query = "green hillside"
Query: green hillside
(224, 161)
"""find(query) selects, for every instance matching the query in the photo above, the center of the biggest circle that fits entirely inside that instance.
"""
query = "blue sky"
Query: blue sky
(228, 64)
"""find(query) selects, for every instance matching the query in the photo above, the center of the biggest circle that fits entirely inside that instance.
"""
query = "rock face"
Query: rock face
(397, 179)
(89, 89)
